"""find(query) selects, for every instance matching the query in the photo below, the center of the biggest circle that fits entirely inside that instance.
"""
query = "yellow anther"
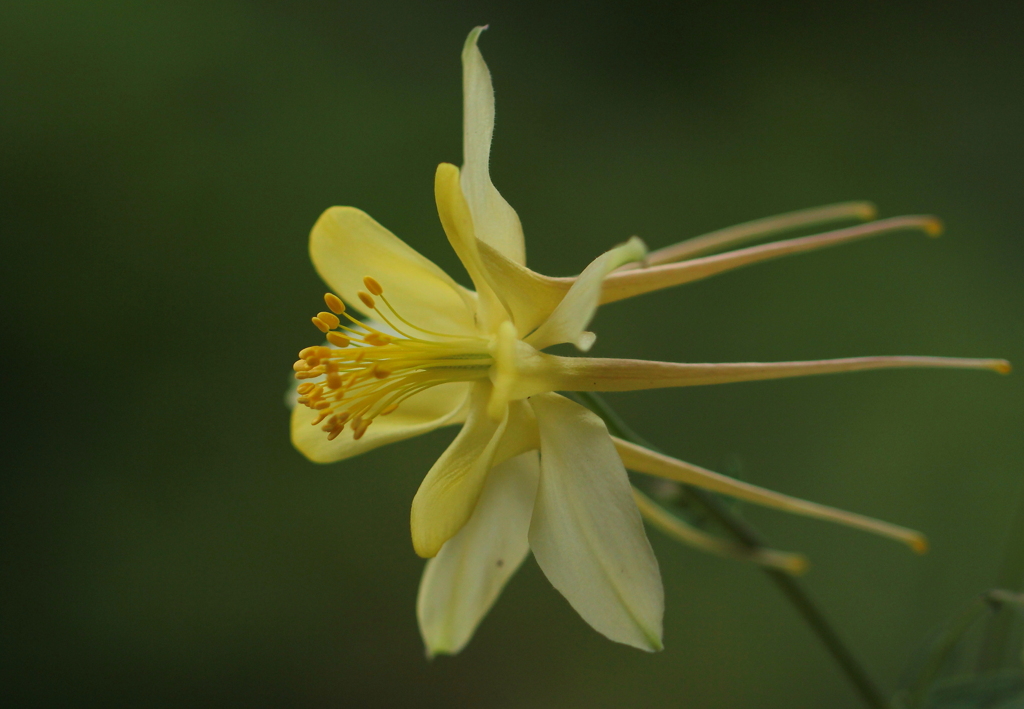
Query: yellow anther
(367, 299)
(372, 285)
(333, 381)
(337, 339)
(334, 434)
(389, 410)
(1004, 367)
(320, 405)
(933, 226)
(323, 352)
(321, 325)
(329, 318)
(301, 366)
(380, 372)
(357, 433)
(334, 303)
(377, 340)
(307, 352)
(319, 419)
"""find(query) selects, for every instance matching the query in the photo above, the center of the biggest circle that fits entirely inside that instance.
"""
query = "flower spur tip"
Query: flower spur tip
(919, 544)
(797, 565)
(933, 226)
(866, 211)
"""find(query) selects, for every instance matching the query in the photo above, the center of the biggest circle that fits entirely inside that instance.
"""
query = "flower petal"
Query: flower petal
(496, 222)
(449, 492)
(463, 581)
(570, 318)
(459, 227)
(530, 297)
(587, 534)
(346, 245)
(443, 405)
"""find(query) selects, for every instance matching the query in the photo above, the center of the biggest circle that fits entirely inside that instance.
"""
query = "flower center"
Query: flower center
(369, 373)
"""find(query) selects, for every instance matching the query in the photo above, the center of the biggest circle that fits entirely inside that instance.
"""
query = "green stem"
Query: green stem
(745, 534)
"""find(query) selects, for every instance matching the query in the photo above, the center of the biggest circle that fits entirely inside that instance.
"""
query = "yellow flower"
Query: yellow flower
(530, 469)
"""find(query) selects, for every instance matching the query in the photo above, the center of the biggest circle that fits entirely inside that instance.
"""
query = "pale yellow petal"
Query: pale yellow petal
(463, 581)
(497, 224)
(520, 435)
(443, 405)
(346, 245)
(569, 320)
(587, 534)
(459, 226)
(449, 492)
(530, 297)
(644, 460)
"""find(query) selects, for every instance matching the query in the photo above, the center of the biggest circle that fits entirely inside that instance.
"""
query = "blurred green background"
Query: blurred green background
(161, 164)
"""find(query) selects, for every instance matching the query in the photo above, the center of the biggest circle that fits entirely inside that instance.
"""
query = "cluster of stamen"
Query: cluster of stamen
(366, 373)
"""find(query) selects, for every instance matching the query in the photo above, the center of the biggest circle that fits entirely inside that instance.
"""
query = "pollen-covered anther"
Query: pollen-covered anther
(301, 365)
(367, 299)
(321, 325)
(380, 372)
(377, 340)
(372, 285)
(337, 339)
(330, 318)
(306, 388)
(334, 303)
(389, 410)
(333, 380)
(359, 428)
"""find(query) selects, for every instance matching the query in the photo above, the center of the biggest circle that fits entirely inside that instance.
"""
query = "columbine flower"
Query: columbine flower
(530, 469)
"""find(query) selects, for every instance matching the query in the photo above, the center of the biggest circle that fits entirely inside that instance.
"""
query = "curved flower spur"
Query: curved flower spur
(530, 470)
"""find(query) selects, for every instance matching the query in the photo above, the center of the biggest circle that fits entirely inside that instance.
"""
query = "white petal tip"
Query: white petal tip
(585, 341)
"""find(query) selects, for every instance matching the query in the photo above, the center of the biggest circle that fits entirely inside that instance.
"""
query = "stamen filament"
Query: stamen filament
(370, 373)
(417, 327)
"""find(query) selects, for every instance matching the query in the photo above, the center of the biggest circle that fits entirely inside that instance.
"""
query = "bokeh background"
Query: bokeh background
(161, 164)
